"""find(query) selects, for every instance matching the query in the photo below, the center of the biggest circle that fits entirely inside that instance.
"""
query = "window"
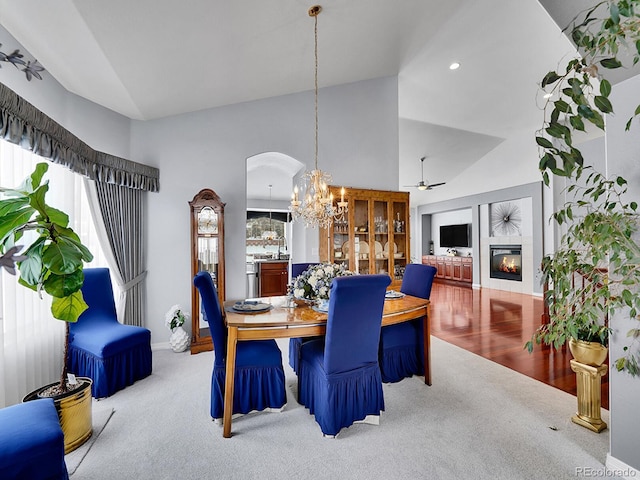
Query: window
(31, 340)
(266, 234)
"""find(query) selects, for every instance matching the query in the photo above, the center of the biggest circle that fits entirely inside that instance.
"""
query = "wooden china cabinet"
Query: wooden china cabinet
(207, 254)
(374, 235)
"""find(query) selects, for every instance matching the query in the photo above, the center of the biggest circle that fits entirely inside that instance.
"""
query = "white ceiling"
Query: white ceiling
(152, 58)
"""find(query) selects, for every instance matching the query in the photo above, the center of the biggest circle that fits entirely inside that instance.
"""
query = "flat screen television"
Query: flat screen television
(455, 235)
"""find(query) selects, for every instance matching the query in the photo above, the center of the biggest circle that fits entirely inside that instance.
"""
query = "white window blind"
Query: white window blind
(31, 340)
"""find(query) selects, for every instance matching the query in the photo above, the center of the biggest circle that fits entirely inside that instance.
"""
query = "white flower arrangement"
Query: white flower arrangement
(315, 282)
(175, 317)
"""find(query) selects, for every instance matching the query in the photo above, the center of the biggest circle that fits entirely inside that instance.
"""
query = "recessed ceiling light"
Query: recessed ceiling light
(454, 66)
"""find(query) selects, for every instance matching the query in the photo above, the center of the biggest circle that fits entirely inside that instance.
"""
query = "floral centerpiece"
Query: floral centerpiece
(315, 282)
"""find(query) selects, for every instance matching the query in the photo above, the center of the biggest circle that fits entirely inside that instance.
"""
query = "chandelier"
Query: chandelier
(313, 203)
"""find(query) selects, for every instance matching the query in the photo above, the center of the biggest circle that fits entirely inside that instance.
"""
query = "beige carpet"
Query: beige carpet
(479, 420)
(100, 416)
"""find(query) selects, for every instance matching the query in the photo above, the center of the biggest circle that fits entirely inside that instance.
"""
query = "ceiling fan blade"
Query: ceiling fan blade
(436, 185)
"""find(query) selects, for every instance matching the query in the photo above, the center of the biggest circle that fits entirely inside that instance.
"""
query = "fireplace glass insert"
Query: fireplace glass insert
(506, 262)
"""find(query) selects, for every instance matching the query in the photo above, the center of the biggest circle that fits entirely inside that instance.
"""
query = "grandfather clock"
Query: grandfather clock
(207, 254)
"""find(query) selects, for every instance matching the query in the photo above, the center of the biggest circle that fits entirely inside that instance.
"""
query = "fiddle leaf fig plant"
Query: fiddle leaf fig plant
(595, 270)
(53, 262)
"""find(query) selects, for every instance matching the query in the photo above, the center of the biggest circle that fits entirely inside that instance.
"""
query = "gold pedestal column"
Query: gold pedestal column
(589, 397)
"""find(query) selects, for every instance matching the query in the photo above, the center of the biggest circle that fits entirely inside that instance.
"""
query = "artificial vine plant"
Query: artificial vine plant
(596, 269)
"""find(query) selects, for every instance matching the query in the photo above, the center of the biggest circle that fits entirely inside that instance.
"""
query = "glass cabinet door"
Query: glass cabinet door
(381, 236)
(400, 239)
(208, 261)
(340, 242)
(361, 244)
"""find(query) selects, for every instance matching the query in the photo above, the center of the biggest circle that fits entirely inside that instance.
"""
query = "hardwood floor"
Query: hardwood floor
(495, 325)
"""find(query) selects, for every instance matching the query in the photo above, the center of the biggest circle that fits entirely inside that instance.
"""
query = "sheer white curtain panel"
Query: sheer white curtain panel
(31, 340)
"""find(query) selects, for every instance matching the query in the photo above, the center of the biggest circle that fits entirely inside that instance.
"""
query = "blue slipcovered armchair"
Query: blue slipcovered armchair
(402, 345)
(339, 378)
(113, 355)
(259, 376)
(296, 342)
(31, 442)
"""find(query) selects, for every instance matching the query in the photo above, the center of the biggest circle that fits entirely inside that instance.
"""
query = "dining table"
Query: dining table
(284, 317)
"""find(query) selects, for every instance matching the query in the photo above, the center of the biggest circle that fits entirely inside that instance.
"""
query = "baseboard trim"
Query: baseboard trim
(618, 467)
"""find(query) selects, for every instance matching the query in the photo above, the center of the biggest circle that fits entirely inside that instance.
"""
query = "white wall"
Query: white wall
(100, 128)
(358, 145)
(514, 162)
(622, 150)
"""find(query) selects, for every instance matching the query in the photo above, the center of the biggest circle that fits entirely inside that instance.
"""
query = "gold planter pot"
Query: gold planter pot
(588, 353)
(74, 412)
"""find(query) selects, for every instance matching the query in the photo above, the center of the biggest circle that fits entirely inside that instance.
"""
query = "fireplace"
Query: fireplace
(506, 262)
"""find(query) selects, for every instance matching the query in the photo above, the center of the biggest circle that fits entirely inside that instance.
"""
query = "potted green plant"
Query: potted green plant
(52, 262)
(596, 268)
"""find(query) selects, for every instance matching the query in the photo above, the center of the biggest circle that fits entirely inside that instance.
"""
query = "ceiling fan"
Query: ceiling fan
(422, 185)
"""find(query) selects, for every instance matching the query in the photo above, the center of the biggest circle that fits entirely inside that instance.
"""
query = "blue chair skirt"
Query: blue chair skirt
(337, 400)
(401, 354)
(259, 381)
(294, 353)
(113, 373)
(295, 344)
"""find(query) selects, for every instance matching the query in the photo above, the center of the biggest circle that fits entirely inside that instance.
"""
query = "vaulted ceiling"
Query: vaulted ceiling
(152, 58)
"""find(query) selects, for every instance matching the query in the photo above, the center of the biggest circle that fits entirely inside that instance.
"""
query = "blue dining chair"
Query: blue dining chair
(296, 342)
(298, 268)
(113, 355)
(401, 345)
(339, 378)
(259, 377)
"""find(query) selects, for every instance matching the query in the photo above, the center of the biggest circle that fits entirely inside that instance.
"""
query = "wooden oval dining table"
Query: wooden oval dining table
(284, 319)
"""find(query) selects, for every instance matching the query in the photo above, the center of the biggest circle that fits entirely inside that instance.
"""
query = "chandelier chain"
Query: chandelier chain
(316, 206)
(315, 32)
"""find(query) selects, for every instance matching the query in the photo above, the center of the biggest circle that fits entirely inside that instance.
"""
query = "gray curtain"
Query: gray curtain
(120, 186)
(23, 124)
(122, 210)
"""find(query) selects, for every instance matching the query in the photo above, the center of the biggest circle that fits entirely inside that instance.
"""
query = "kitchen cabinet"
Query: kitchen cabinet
(273, 278)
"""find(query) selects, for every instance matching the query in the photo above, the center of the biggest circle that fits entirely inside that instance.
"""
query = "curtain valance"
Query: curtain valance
(23, 124)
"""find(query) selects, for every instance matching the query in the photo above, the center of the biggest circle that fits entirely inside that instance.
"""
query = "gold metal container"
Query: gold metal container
(74, 413)
(588, 353)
